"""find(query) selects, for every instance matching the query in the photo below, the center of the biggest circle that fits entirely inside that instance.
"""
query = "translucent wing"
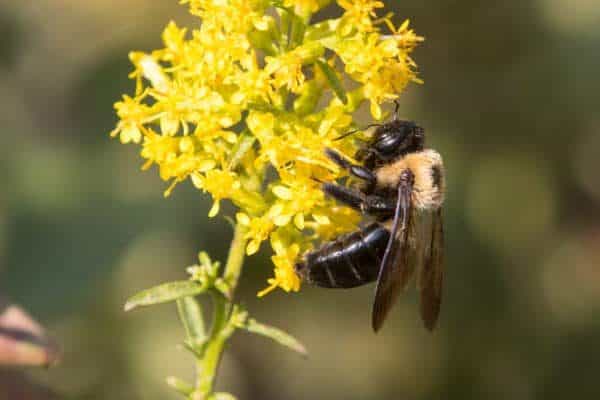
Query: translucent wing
(432, 273)
(393, 272)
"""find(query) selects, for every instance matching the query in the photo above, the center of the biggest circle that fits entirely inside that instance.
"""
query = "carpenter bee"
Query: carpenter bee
(402, 192)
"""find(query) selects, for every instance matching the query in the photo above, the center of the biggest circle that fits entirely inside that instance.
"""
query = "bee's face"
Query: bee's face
(392, 140)
(397, 137)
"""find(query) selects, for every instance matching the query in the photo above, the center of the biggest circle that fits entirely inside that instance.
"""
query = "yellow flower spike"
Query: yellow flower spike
(239, 109)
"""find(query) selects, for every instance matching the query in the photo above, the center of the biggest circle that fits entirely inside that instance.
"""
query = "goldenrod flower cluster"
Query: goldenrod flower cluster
(245, 104)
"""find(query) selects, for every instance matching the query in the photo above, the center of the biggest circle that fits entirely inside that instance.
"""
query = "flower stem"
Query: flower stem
(235, 258)
(222, 327)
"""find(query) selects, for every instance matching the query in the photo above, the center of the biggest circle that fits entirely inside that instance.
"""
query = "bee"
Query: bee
(402, 192)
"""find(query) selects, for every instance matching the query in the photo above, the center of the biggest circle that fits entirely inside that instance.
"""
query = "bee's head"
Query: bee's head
(392, 140)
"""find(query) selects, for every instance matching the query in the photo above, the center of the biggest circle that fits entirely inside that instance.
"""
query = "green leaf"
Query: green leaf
(164, 293)
(180, 385)
(308, 99)
(333, 80)
(190, 314)
(281, 337)
(297, 30)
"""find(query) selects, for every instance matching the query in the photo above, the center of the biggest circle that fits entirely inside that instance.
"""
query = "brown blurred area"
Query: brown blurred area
(510, 99)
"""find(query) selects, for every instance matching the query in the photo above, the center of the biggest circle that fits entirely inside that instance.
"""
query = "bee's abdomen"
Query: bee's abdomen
(350, 260)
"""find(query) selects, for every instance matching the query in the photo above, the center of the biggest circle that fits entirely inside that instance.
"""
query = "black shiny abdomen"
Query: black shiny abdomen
(348, 261)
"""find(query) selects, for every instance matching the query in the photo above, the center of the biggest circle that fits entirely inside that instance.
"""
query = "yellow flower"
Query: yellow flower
(220, 184)
(131, 114)
(230, 15)
(382, 65)
(284, 259)
(259, 229)
(287, 68)
(244, 105)
(359, 14)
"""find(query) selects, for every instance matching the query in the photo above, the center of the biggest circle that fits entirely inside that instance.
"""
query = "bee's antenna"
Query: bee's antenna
(316, 180)
(356, 130)
(396, 115)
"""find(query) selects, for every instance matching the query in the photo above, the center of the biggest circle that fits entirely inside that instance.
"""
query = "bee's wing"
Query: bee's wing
(432, 273)
(392, 271)
(418, 238)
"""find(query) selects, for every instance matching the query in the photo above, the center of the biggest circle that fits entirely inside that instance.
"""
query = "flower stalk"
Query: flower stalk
(223, 325)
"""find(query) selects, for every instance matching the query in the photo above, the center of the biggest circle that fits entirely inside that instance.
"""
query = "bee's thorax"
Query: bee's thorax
(429, 181)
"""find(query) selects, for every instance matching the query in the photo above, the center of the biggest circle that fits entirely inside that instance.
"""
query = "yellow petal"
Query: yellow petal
(269, 289)
(169, 190)
(404, 25)
(186, 144)
(275, 210)
(198, 181)
(299, 221)
(282, 220)
(168, 125)
(375, 110)
(242, 219)
(283, 192)
(321, 219)
(205, 166)
(130, 133)
(252, 247)
(152, 71)
(214, 210)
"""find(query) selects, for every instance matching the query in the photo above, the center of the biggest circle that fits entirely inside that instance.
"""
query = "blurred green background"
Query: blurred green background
(511, 100)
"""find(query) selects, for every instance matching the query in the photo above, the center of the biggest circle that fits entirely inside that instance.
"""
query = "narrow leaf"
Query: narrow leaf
(281, 337)
(297, 30)
(180, 385)
(164, 293)
(190, 314)
(333, 80)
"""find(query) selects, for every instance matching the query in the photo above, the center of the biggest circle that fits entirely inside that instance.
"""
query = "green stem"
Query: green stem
(222, 327)
(235, 258)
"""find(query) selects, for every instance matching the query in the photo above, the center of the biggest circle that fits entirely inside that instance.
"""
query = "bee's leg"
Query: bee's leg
(350, 197)
(379, 205)
(373, 205)
(356, 170)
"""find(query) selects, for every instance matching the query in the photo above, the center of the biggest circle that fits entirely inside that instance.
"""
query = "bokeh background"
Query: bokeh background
(511, 99)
